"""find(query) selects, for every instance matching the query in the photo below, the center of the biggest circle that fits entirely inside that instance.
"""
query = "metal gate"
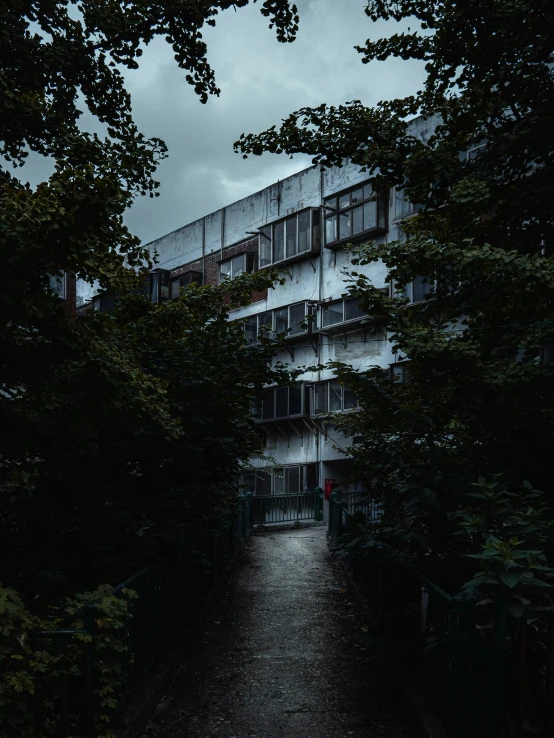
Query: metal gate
(287, 508)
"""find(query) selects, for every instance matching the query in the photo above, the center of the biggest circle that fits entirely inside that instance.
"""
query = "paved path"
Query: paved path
(281, 660)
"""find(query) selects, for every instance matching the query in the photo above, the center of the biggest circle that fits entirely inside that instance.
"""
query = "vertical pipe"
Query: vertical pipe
(222, 244)
(203, 251)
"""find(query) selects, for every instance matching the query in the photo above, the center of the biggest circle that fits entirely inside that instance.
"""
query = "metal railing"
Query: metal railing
(488, 674)
(167, 593)
(289, 508)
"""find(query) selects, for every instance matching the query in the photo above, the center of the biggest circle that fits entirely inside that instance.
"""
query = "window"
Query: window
(351, 213)
(332, 397)
(294, 320)
(416, 290)
(402, 206)
(341, 311)
(289, 238)
(103, 303)
(282, 402)
(57, 284)
(236, 265)
(158, 288)
(400, 372)
(182, 281)
(473, 150)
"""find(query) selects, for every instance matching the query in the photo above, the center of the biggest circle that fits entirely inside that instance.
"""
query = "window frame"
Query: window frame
(328, 411)
(414, 208)
(183, 280)
(314, 238)
(331, 326)
(58, 284)
(380, 215)
(274, 391)
(408, 290)
(271, 472)
(248, 262)
(402, 376)
(308, 312)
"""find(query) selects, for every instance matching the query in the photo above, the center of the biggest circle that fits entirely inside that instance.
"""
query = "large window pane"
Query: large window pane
(382, 213)
(225, 270)
(321, 404)
(292, 480)
(350, 399)
(344, 201)
(278, 241)
(268, 409)
(263, 482)
(281, 320)
(278, 481)
(357, 220)
(345, 224)
(251, 328)
(331, 229)
(295, 400)
(297, 318)
(304, 231)
(370, 215)
(332, 314)
(330, 204)
(265, 323)
(265, 246)
(335, 393)
(174, 288)
(368, 191)
(291, 236)
(352, 310)
(238, 265)
(357, 195)
(420, 288)
(282, 402)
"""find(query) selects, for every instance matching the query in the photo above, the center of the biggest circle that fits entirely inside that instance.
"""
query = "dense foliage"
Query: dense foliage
(114, 429)
(480, 398)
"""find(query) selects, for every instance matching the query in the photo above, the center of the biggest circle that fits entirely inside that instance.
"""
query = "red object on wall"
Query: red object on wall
(329, 487)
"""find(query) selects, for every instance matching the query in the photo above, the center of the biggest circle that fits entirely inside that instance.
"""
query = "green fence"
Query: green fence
(290, 508)
(169, 593)
(484, 672)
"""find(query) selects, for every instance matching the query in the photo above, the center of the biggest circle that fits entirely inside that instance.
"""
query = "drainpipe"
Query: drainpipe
(203, 250)
(222, 230)
(320, 294)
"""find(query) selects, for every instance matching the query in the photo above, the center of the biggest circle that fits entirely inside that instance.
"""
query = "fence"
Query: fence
(287, 508)
(168, 594)
(486, 673)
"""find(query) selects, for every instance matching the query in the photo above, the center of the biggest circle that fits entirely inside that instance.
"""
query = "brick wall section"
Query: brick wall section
(211, 264)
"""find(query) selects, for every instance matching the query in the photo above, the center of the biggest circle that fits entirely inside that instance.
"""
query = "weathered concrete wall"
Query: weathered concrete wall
(315, 279)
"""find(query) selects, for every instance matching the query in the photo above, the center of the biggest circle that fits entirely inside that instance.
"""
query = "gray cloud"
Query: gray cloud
(261, 82)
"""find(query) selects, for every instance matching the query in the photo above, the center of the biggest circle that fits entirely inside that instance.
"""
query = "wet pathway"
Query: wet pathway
(282, 658)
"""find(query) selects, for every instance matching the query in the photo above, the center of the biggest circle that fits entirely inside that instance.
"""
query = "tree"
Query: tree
(109, 425)
(480, 399)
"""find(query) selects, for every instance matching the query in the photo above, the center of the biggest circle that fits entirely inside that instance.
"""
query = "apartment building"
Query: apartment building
(300, 225)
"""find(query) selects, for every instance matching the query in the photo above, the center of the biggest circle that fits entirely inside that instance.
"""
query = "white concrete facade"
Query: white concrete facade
(302, 439)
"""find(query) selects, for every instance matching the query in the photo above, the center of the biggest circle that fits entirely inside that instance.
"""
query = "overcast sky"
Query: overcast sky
(261, 82)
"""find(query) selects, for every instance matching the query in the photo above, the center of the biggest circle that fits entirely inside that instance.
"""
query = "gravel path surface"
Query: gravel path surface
(283, 658)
